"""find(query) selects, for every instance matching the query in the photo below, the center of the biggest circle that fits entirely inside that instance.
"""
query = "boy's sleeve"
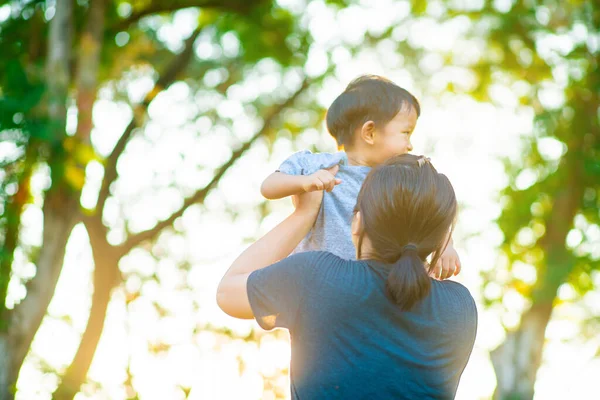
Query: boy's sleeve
(296, 164)
(305, 163)
(276, 292)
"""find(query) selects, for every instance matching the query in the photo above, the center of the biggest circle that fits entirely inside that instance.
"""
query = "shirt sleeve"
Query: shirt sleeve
(276, 292)
(295, 164)
(305, 163)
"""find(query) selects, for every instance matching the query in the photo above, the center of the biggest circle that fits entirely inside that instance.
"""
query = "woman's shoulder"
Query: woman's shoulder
(454, 293)
(328, 276)
(326, 263)
(320, 258)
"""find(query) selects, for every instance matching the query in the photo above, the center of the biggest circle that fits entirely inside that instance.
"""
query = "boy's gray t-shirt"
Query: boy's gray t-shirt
(331, 231)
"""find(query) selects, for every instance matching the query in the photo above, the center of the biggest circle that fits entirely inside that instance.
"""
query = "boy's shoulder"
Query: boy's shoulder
(306, 162)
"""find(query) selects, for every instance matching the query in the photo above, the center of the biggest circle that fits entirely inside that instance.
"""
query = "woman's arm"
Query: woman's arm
(232, 296)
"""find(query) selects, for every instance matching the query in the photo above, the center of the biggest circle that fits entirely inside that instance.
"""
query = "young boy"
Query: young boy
(372, 120)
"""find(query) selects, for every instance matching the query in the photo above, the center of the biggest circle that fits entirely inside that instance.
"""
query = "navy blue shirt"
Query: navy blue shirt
(350, 341)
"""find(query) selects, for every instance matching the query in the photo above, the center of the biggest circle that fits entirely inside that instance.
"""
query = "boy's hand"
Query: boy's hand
(323, 179)
(447, 265)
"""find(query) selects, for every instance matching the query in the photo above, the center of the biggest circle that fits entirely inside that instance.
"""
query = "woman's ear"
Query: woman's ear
(367, 132)
(356, 226)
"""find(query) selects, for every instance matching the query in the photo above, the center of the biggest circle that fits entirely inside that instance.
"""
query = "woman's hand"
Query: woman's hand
(308, 204)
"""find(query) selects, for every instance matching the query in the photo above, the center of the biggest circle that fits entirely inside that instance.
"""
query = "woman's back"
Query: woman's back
(350, 341)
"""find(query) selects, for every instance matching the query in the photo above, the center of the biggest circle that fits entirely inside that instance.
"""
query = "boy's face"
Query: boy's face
(394, 138)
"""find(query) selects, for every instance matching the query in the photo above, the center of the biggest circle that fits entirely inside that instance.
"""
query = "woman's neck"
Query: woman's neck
(365, 249)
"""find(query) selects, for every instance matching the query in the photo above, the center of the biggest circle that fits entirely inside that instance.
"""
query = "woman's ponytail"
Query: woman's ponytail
(408, 281)
(405, 202)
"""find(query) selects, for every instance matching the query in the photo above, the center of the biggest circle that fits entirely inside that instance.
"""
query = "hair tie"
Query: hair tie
(422, 160)
(409, 247)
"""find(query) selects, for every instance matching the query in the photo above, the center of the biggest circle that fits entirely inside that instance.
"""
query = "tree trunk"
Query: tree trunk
(105, 271)
(517, 360)
(105, 279)
(57, 66)
(87, 68)
(13, 211)
(7, 389)
(60, 212)
(27, 316)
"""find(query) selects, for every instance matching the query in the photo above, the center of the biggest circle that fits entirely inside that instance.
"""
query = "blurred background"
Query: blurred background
(134, 135)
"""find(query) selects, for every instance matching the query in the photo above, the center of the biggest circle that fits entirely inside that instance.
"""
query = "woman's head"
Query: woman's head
(405, 212)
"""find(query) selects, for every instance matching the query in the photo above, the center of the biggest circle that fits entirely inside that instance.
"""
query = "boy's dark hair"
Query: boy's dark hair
(367, 98)
(407, 211)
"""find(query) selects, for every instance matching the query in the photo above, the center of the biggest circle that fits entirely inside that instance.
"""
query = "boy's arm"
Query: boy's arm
(279, 185)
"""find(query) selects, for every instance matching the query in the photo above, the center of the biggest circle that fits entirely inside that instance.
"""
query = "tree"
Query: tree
(547, 54)
(90, 45)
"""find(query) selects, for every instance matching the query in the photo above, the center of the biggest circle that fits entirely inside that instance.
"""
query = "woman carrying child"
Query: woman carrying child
(377, 326)
(372, 120)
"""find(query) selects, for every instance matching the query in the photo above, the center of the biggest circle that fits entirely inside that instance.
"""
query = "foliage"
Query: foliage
(550, 57)
(212, 49)
(548, 54)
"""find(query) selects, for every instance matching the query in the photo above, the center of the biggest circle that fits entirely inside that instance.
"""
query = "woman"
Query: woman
(377, 327)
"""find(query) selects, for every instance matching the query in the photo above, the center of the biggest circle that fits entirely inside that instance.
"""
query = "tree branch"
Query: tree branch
(106, 277)
(156, 7)
(165, 80)
(200, 195)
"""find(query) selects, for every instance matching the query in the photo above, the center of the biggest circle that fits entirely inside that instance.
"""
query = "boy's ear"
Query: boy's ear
(367, 132)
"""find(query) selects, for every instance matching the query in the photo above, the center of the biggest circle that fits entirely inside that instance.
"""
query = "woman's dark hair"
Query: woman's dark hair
(367, 98)
(407, 211)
